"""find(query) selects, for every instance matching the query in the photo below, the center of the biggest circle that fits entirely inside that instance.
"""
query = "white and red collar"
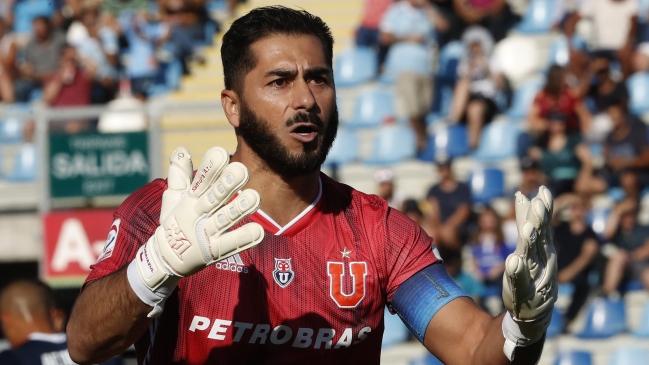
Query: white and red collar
(296, 224)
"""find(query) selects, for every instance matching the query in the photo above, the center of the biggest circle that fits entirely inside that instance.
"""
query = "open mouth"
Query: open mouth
(305, 132)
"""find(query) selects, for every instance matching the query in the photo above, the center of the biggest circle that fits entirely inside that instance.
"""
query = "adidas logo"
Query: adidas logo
(232, 263)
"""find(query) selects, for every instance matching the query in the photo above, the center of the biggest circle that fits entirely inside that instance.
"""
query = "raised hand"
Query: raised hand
(530, 279)
(196, 215)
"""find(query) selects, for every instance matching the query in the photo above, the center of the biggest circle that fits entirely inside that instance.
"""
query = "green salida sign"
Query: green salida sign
(98, 164)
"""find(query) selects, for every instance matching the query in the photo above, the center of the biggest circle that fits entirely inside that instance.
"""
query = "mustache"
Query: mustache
(305, 118)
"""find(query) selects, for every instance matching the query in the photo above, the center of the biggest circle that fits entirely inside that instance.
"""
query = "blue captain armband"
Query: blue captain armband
(422, 295)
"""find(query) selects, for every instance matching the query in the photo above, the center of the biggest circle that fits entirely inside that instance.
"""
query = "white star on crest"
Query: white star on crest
(345, 252)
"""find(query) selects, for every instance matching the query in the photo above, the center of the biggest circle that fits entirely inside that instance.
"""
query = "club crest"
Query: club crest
(283, 273)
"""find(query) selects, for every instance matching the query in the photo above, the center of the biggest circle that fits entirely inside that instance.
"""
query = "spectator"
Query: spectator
(631, 259)
(577, 246)
(7, 66)
(98, 44)
(495, 15)
(186, 20)
(626, 155)
(410, 208)
(27, 316)
(453, 264)
(367, 34)
(488, 249)
(6, 13)
(565, 160)
(144, 38)
(480, 80)
(450, 202)
(408, 27)
(555, 98)
(41, 58)
(386, 190)
(70, 86)
(615, 25)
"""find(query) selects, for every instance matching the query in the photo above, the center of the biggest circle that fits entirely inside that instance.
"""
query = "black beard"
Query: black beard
(257, 133)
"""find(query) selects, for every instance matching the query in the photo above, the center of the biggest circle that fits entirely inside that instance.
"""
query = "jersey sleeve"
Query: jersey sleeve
(408, 250)
(134, 223)
(7, 358)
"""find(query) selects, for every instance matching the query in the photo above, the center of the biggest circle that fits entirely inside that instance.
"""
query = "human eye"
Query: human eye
(278, 84)
(320, 80)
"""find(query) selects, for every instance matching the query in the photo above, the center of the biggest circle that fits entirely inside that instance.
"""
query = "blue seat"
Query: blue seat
(574, 358)
(372, 108)
(486, 185)
(596, 219)
(344, 149)
(523, 99)
(393, 144)
(26, 11)
(638, 86)
(499, 140)
(643, 11)
(446, 142)
(556, 324)
(11, 130)
(395, 331)
(604, 318)
(616, 193)
(642, 331)
(427, 359)
(25, 168)
(630, 356)
(538, 18)
(449, 58)
(405, 57)
(355, 66)
(168, 78)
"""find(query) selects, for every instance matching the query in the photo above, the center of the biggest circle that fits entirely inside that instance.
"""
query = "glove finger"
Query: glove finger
(180, 170)
(246, 203)
(241, 239)
(213, 163)
(233, 177)
(526, 236)
(537, 213)
(521, 206)
(516, 283)
(178, 180)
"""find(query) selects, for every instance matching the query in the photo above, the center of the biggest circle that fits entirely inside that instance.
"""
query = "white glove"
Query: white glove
(194, 219)
(530, 279)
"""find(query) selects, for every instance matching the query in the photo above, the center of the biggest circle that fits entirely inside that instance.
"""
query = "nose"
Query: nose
(303, 98)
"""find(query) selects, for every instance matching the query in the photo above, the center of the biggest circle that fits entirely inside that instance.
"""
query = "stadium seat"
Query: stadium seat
(630, 356)
(574, 358)
(168, 78)
(556, 324)
(604, 318)
(523, 99)
(560, 50)
(450, 141)
(596, 218)
(344, 149)
(355, 66)
(392, 144)
(486, 185)
(26, 11)
(449, 58)
(25, 168)
(11, 130)
(643, 11)
(642, 330)
(499, 140)
(372, 108)
(538, 18)
(638, 86)
(616, 193)
(395, 331)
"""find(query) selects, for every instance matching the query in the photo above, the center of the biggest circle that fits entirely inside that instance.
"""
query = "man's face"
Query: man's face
(41, 29)
(530, 176)
(288, 113)
(386, 188)
(617, 116)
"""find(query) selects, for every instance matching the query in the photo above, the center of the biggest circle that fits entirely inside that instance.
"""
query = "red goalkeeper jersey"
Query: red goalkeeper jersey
(311, 292)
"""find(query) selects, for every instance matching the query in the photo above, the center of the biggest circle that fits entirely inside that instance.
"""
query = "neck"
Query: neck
(282, 198)
(22, 335)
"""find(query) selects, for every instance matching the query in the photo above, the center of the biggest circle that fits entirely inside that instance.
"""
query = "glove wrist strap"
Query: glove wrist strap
(149, 279)
(522, 334)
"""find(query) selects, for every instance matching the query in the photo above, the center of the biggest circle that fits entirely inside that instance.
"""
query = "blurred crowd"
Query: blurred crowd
(76, 52)
(582, 108)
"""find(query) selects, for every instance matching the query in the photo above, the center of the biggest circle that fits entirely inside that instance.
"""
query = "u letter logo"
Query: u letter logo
(336, 271)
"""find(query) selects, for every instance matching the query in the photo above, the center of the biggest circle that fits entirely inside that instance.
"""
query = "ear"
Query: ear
(230, 102)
